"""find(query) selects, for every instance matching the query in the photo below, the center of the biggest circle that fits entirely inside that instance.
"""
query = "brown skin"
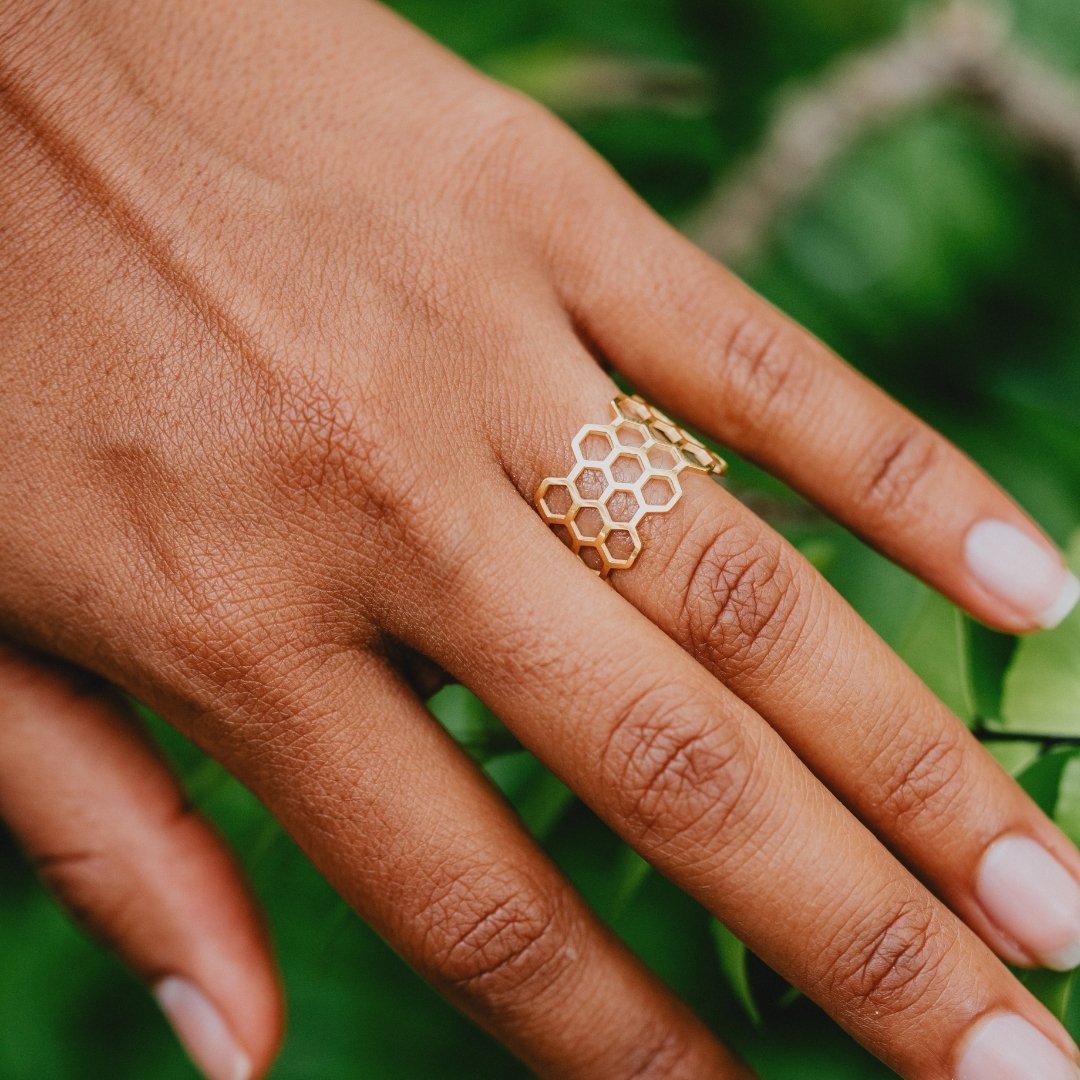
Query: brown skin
(291, 307)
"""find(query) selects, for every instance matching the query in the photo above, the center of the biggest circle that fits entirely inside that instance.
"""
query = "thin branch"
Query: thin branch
(1045, 741)
(962, 49)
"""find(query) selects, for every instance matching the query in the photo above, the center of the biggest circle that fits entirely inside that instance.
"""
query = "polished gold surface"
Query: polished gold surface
(623, 471)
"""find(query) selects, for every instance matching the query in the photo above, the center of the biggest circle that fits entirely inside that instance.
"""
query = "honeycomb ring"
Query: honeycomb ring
(623, 471)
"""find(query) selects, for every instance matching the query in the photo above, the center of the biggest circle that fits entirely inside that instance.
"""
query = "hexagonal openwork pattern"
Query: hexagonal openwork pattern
(622, 472)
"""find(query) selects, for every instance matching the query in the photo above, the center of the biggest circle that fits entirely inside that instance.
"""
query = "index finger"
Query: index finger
(698, 341)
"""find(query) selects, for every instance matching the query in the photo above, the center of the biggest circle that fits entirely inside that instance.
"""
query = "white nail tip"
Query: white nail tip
(1062, 607)
(1064, 959)
(202, 1029)
(1033, 898)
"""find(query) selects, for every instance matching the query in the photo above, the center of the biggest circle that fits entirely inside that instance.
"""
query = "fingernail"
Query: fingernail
(202, 1030)
(1033, 898)
(1023, 572)
(1004, 1046)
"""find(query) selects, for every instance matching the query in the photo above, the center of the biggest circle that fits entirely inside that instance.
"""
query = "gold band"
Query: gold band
(623, 471)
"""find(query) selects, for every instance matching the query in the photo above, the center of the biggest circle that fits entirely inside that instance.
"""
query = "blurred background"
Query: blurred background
(904, 178)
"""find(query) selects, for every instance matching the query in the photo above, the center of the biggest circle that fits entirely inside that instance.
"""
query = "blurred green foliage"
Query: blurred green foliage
(940, 255)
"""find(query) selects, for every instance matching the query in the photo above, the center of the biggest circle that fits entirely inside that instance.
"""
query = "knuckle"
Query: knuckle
(504, 131)
(738, 596)
(496, 946)
(674, 769)
(503, 160)
(238, 661)
(333, 460)
(764, 368)
(924, 777)
(661, 1055)
(313, 434)
(230, 644)
(85, 885)
(890, 959)
(73, 877)
(340, 459)
(898, 473)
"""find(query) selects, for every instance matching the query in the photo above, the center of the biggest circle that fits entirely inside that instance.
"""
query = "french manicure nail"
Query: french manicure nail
(1004, 1046)
(1023, 572)
(1033, 898)
(202, 1030)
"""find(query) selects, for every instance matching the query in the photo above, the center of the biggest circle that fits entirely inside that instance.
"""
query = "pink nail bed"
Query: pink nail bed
(1022, 571)
(1033, 898)
(202, 1030)
(1004, 1046)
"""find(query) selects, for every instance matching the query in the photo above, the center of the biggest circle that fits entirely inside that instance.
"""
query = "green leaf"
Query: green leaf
(1042, 686)
(733, 954)
(1067, 808)
(476, 729)
(540, 798)
(631, 872)
(1014, 757)
(1042, 780)
(990, 654)
(936, 645)
(1055, 989)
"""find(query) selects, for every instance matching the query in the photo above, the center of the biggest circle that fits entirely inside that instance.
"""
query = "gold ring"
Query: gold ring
(623, 471)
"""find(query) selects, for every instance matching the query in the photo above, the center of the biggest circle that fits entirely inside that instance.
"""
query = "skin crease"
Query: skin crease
(290, 304)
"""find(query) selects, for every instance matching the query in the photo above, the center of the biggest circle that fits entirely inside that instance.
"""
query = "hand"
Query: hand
(297, 312)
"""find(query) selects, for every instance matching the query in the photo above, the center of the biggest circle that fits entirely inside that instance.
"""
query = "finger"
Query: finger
(417, 840)
(699, 342)
(743, 602)
(698, 783)
(103, 820)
